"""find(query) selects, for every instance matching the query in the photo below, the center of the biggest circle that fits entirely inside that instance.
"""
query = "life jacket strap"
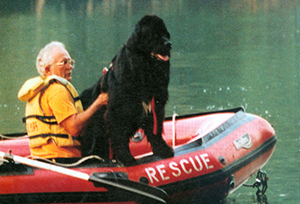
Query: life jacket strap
(55, 135)
(45, 119)
(76, 98)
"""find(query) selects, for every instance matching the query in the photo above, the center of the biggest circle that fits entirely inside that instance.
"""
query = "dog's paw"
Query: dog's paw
(164, 151)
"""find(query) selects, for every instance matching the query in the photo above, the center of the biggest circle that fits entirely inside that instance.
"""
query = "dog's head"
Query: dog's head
(151, 38)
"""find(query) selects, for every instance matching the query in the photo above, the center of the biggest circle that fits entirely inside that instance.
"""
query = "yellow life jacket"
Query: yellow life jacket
(41, 128)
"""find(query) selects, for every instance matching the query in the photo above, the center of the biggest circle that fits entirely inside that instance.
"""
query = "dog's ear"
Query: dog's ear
(132, 41)
(142, 34)
(136, 41)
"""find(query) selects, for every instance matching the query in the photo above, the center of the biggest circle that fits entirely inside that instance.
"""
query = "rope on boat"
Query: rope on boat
(69, 165)
(3, 160)
(13, 137)
(24, 135)
(260, 181)
(173, 128)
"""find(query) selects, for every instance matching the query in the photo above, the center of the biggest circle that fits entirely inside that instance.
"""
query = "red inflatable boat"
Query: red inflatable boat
(215, 153)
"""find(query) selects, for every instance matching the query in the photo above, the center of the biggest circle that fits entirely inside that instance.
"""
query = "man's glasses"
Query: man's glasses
(65, 62)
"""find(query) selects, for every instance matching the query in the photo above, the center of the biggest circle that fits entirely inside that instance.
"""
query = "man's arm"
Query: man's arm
(76, 122)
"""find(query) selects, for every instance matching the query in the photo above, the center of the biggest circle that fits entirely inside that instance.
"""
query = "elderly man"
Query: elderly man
(54, 114)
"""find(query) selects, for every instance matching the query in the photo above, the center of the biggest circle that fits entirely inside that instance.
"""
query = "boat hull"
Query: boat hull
(215, 153)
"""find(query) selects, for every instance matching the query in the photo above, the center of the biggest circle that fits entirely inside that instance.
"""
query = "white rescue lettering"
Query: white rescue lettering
(199, 163)
(151, 174)
(183, 167)
(162, 171)
(186, 166)
(205, 160)
(173, 166)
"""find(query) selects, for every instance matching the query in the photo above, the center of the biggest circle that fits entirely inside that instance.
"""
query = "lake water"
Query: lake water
(226, 53)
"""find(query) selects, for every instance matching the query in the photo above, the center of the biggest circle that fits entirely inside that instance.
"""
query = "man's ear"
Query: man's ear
(47, 70)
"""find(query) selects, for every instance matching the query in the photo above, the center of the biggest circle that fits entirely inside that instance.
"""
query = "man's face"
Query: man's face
(62, 65)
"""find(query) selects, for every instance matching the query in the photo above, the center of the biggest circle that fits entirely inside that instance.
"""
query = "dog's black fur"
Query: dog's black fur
(140, 72)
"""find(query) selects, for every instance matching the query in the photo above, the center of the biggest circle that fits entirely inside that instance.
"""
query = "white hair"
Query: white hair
(45, 57)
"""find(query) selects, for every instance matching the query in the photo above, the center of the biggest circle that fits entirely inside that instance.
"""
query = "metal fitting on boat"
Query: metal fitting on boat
(230, 183)
(222, 160)
(144, 180)
(138, 136)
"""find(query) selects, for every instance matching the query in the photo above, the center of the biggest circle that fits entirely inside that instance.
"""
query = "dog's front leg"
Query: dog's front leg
(119, 132)
(121, 151)
(159, 146)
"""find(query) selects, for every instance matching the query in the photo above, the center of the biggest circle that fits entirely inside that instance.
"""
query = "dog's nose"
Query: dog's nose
(168, 43)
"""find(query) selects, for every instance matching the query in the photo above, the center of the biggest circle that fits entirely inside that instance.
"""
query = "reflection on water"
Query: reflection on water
(225, 54)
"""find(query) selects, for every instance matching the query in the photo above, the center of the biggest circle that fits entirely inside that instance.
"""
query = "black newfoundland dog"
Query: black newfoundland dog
(137, 85)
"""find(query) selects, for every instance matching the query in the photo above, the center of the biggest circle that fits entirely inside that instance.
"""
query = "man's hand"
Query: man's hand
(102, 99)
